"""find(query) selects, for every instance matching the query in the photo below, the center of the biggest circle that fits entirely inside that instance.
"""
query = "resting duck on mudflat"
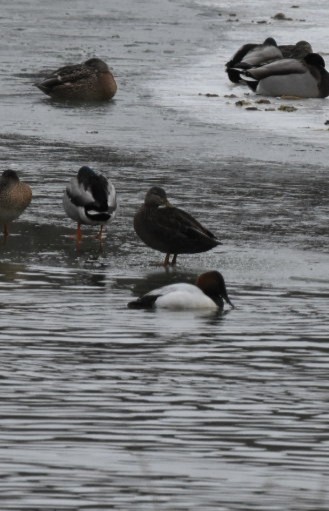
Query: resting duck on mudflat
(89, 81)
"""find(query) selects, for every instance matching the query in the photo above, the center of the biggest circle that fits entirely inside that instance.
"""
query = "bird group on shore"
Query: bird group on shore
(270, 69)
(90, 199)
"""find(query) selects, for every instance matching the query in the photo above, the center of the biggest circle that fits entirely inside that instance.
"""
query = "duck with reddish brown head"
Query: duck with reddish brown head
(208, 293)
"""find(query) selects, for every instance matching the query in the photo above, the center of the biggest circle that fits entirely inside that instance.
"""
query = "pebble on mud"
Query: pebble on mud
(209, 95)
(281, 16)
(242, 102)
(287, 108)
(263, 101)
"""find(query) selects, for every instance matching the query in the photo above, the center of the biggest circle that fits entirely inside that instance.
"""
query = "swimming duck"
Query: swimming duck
(208, 293)
(15, 196)
(252, 55)
(170, 230)
(306, 78)
(90, 199)
(90, 81)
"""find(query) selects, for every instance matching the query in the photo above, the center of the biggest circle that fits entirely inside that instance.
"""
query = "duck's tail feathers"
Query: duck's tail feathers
(247, 78)
(145, 302)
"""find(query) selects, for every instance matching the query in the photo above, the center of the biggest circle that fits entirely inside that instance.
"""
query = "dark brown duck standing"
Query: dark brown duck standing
(90, 81)
(171, 230)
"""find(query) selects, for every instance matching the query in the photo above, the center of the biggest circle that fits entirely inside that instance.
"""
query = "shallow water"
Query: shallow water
(109, 408)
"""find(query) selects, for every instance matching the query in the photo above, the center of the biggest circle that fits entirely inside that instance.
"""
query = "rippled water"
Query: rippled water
(103, 407)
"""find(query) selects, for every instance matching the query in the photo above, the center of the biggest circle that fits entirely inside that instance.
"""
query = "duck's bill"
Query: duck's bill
(227, 300)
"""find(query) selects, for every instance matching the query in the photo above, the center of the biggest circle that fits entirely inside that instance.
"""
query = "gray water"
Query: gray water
(108, 408)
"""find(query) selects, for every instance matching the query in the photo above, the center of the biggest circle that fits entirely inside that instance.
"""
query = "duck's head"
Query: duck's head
(270, 42)
(99, 65)
(315, 60)
(85, 173)
(10, 175)
(156, 197)
(213, 285)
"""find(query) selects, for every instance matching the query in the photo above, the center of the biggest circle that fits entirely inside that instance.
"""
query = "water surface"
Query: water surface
(109, 408)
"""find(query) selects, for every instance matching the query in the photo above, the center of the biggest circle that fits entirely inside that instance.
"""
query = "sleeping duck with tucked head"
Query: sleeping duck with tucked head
(90, 199)
(90, 81)
(306, 78)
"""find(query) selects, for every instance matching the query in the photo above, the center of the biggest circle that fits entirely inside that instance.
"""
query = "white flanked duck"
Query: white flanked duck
(306, 78)
(170, 230)
(252, 55)
(90, 199)
(208, 293)
(15, 196)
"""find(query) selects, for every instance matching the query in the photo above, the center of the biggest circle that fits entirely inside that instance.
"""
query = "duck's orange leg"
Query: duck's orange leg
(99, 235)
(79, 233)
(166, 261)
(174, 259)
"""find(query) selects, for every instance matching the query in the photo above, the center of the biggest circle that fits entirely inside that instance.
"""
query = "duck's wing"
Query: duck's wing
(261, 55)
(279, 67)
(174, 223)
(66, 74)
(240, 54)
(78, 193)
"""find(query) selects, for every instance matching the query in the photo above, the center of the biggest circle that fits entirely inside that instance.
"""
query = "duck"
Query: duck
(306, 78)
(296, 51)
(252, 55)
(90, 199)
(171, 230)
(90, 81)
(15, 196)
(209, 292)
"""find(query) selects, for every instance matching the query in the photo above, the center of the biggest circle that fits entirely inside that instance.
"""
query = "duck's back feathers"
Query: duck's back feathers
(90, 198)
